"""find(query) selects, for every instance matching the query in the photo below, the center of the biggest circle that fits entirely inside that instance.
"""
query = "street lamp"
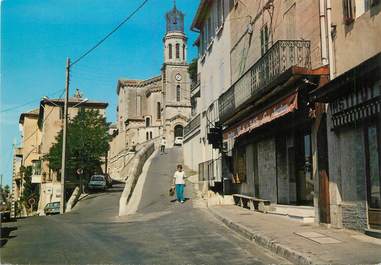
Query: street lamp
(81, 102)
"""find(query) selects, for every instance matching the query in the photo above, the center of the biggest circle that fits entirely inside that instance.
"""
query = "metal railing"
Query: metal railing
(192, 125)
(279, 58)
(196, 83)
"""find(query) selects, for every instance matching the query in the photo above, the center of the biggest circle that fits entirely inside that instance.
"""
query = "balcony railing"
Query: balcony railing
(195, 83)
(278, 59)
(192, 125)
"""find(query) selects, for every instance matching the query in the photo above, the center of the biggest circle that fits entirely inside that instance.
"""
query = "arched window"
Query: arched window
(150, 135)
(147, 136)
(177, 50)
(158, 111)
(178, 91)
(170, 51)
(184, 52)
(148, 121)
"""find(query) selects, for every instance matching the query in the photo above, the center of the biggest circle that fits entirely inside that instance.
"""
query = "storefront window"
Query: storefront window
(240, 165)
(304, 182)
(373, 168)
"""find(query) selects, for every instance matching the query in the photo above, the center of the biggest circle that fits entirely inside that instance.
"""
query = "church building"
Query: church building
(159, 106)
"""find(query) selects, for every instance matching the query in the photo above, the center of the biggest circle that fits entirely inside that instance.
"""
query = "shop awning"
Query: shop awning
(279, 109)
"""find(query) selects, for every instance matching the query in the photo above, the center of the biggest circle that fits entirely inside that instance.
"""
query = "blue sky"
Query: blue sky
(38, 35)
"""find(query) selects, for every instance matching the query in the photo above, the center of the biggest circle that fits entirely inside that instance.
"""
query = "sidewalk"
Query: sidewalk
(298, 242)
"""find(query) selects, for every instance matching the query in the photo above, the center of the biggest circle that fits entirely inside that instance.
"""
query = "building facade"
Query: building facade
(51, 116)
(353, 115)
(39, 129)
(28, 154)
(213, 66)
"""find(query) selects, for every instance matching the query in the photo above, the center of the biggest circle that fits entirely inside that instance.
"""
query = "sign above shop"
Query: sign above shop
(356, 105)
(287, 105)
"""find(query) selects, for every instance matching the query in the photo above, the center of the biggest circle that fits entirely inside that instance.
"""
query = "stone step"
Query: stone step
(305, 214)
(373, 233)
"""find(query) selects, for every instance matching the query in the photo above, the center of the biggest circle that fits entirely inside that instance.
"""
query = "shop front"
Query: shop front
(271, 155)
(354, 141)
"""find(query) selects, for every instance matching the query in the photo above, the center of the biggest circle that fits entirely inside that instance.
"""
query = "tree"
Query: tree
(29, 190)
(7, 189)
(192, 70)
(87, 145)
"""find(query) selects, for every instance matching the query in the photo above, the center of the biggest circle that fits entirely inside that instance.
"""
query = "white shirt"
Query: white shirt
(179, 177)
(163, 142)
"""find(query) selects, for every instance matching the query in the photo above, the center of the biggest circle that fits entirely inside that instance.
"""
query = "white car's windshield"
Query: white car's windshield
(97, 178)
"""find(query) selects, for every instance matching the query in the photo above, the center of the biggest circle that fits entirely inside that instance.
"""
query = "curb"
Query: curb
(263, 241)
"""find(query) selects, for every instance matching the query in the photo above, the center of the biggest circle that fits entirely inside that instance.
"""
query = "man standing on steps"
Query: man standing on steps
(179, 180)
(162, 145)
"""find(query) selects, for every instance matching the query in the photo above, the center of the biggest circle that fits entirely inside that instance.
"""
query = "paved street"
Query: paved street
(162, 232)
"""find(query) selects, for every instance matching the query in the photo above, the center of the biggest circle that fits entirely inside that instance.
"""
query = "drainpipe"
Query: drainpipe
(323, 33)
(332, 70)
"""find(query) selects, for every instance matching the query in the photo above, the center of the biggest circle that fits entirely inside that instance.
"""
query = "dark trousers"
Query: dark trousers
(162, 148)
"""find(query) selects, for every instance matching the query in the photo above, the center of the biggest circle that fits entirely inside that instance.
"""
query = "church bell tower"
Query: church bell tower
(175, 76)
(175, 41)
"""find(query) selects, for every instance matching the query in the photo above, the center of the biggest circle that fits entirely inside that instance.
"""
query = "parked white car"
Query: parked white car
(179, 141)
(97, 182)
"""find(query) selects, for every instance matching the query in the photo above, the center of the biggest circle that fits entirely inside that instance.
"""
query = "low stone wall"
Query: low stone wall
(73, 199)
(133, 171)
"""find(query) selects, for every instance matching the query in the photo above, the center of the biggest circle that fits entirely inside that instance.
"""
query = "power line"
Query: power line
(26, 103)
(45, 118)
(108, 35)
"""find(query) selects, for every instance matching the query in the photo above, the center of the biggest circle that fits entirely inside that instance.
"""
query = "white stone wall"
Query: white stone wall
(214, 69)
(192, 147)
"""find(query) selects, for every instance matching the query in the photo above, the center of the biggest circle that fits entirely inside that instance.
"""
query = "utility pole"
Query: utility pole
(63, 163)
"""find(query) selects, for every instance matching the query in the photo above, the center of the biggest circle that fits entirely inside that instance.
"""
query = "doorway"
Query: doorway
(373, 174)
(178, 131)
(323, 172)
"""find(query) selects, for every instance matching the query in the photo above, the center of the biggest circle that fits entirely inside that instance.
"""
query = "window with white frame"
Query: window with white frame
(362, 6)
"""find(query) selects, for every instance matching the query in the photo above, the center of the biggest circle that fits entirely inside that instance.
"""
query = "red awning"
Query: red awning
(279, 109)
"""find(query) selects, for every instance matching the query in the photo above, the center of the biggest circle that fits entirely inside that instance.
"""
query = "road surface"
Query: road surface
(161, 232)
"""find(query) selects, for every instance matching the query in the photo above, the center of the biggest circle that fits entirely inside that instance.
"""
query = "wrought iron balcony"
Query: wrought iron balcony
(192, 125)
(195, 83)
(279, 58)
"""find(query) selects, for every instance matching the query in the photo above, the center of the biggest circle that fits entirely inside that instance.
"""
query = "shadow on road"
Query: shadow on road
(5, 234)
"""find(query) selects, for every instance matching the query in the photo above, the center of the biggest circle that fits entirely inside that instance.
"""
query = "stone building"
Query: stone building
(39, 129)
(159, 106)
(275, 54)
(353, 115)
(50, 119)
(28, 154)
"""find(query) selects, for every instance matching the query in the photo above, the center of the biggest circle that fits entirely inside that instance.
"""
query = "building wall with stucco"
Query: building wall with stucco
(51, 123)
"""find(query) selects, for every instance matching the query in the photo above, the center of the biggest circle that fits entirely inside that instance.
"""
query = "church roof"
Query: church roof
(137, 83)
